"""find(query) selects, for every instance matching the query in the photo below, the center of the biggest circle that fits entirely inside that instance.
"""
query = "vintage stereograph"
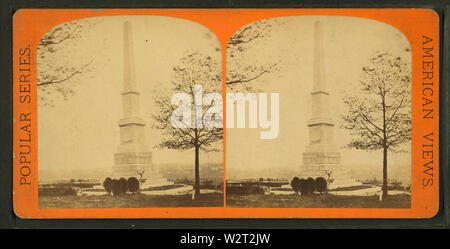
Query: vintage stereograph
(226, 113)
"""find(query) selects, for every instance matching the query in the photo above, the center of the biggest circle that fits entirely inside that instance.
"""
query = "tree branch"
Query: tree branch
(80, 70)
(47, 41)
(368, 120)
(369, 130)
(395, 112)
(239, 81)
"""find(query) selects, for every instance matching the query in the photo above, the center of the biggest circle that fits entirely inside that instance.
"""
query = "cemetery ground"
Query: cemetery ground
(136, 200)
(316, 201)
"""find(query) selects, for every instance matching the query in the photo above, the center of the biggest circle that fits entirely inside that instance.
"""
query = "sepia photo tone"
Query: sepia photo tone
(340, 92)
(104, 101)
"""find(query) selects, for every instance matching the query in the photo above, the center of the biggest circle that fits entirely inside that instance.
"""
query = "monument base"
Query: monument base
(139, 165)
(325, 162)
(334, 174)
(154, 181)
(147, 179)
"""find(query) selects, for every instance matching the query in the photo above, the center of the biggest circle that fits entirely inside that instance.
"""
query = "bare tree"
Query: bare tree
(54, 75)
(243, 40)
(194, 70)
(379, 113)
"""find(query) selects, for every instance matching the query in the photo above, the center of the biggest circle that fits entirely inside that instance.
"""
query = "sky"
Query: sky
(348, 44)
(82, 132)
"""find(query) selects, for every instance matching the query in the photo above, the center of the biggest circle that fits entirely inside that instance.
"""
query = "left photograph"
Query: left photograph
(130, 114)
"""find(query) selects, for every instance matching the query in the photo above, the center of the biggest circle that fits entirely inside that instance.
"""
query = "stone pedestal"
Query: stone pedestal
(333, 173)
(139, 165)
(328, 166)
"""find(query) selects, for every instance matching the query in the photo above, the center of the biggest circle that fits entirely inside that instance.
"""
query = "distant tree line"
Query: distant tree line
(56, 191)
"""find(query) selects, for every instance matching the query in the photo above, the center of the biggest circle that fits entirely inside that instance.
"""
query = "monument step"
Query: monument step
(155, 183)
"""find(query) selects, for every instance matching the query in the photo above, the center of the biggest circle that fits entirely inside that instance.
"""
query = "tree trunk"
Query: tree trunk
(197, 174)
(385, 179)
(385, 147)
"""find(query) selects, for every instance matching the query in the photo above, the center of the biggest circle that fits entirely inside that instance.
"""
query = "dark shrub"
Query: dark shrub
(133, 184)
(123, 185)
(116, 190)
(310, 185)
(320, 184)
(295, 184)
(303, 186)
(107, 184)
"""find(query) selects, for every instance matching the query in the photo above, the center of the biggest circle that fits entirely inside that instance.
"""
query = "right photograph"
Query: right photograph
(318, 114)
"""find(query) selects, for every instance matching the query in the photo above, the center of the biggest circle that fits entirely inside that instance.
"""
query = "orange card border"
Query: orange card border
(29, 25)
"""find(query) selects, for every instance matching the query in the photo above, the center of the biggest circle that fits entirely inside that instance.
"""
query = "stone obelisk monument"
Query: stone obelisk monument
(133, 157)
(322, 157)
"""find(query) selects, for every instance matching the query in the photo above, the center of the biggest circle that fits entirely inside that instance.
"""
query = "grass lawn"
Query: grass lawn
(317, 201)
(130, 201)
